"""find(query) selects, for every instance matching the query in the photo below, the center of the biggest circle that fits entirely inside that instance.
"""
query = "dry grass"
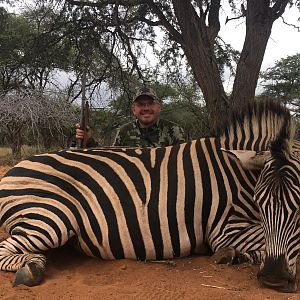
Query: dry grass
(6, 157)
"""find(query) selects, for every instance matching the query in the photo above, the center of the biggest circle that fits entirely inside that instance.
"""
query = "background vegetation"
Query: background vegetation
(173, 46)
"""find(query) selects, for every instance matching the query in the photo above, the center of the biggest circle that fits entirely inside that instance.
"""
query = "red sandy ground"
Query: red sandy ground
(71, 275)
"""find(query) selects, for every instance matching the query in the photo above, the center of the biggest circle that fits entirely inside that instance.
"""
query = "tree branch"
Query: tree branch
(103, 3)
(213, 19)
(288, 24)
(244, 12)
(278, 8)
(175, 35)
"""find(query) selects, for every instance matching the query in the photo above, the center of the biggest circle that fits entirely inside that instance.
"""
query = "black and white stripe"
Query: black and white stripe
(132, 203)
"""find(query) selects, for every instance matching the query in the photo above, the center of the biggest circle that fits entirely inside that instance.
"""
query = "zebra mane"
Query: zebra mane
(255, 125)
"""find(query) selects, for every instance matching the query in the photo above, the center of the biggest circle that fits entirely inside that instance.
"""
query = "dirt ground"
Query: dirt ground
(70, 275)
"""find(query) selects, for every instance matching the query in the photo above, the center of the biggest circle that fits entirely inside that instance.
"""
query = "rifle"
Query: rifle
(84, 123)
(84, 115)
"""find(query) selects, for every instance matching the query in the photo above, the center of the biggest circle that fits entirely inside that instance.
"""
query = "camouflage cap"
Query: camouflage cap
(145, 91)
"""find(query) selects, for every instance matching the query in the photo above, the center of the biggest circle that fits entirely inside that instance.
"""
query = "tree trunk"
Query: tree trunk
(198, 45)
(16, 143)
(16, 148)
(259, 21)
(15, 138)
(46, 137)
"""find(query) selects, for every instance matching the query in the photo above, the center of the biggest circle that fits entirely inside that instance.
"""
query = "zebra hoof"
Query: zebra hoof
(227, 256)
(31, 274)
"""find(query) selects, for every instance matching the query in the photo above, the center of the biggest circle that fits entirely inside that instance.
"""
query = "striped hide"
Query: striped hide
(143, 204)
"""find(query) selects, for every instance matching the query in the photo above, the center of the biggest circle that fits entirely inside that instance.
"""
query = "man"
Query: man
(148, 130)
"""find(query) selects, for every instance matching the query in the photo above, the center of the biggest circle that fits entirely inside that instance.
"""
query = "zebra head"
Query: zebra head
(277, 194)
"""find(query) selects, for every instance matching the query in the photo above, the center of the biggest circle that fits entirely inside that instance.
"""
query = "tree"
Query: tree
(14, 33)
(192, 27)
(29, 58)
(282, 81)
(119, 31)
(44, 116)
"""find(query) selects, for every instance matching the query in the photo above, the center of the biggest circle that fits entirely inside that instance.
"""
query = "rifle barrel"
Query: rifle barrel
(84, 111)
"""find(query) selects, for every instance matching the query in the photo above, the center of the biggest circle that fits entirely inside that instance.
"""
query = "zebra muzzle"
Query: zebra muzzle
(282, 286)
(275, 274)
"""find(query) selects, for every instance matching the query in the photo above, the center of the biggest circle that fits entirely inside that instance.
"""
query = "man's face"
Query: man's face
(146, 110)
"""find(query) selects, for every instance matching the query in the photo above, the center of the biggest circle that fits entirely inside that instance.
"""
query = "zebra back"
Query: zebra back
(255, 124)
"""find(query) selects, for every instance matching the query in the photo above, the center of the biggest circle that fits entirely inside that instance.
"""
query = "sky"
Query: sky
(284, 40)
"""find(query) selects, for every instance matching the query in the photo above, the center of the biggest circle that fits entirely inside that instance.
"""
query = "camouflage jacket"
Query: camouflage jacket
(162, 133)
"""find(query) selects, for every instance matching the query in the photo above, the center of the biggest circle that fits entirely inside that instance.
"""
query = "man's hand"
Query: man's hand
(80, 132)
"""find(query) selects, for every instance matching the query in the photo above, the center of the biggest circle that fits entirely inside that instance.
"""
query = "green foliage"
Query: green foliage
(30, 50)
(14, 32)
(186, 107)
(282, 81)
(104, 125)
(193, 118)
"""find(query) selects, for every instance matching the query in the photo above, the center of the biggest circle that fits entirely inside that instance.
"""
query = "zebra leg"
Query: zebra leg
(17, 255)
(232, 256)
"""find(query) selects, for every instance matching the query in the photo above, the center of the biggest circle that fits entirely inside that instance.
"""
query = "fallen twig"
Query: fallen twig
(214, 286)
(167, 262)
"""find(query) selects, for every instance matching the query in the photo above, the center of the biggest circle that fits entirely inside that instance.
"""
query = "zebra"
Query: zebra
(161, 203)
(277, 194)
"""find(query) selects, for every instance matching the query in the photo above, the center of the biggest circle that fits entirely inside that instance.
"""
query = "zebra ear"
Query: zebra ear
(250, 160)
